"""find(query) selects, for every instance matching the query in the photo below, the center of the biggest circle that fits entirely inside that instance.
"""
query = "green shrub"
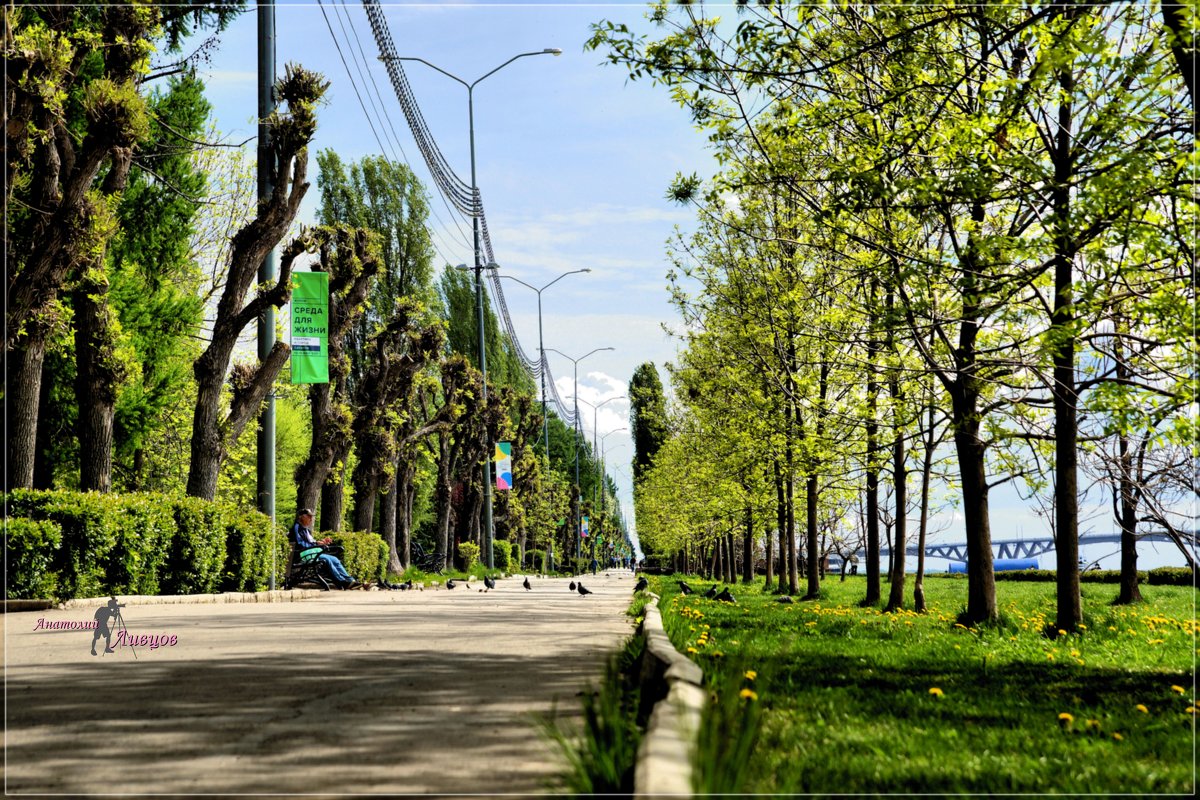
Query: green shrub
(365, 555)
(469, 551)
(502, 554)
(197, 552)
(31, 545)
(534, 559)
(1171, 576)
(134, 544)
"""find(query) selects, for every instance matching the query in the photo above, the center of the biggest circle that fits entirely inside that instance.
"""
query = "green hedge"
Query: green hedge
(31, 546)
(1161, 576)
(66, 544)
(502, 557)
(364, 555)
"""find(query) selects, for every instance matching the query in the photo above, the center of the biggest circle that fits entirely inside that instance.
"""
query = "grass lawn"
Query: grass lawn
(845, 699)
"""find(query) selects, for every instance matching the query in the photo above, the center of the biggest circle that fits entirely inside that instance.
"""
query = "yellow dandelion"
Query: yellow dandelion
(748, 694)
(1191, 709)
(751, 674)
(735, 642)
(1177, 689)
(1118, 736)
(935, 691)
(1049, 656)
(1061, 632)
(1142, 708)
(1082, 627)
(1093, 723)
(1065, 719)
(692, 650)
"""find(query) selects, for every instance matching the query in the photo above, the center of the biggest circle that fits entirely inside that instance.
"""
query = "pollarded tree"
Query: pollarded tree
(351, 260)
(212, 430)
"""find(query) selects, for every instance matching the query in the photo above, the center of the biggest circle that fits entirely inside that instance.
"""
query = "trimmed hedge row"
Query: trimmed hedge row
(1160, 576)
(364, 555)
(65, 544)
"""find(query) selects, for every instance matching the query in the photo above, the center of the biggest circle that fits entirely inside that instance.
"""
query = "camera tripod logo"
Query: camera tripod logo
(108, 622)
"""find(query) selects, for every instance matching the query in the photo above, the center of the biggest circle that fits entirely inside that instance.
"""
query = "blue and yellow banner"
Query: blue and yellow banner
(503, 460)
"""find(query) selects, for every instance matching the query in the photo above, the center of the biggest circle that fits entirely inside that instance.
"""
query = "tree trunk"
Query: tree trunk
(333, 499)
(311, 475)
(208, 446)
(729, 557)
(24, 363)
(793, 566)
(926, 472)
(387, 525)
(1066, 419)
(873, 583)
(900, 476)
(366, 492)
(781, 526)
(981, 580)
(748, 547)
(814, 557)
(1127, 518)
(1183, 45)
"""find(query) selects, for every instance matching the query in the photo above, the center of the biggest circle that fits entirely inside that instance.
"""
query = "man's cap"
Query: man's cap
(305, 512)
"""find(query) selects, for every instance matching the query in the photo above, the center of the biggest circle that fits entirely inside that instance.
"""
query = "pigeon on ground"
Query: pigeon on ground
(725, 596)
(712, 592)
(488, 582)
(526, 584)
(785, 599)
(684, 588)
(571, 587)
(641, 585)
(450, 584)
(583, 590)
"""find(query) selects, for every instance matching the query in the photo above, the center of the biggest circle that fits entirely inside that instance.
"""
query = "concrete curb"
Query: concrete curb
(664, 760)
(277, 596)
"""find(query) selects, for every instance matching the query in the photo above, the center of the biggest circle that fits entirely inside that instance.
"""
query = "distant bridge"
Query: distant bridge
(1029, 548)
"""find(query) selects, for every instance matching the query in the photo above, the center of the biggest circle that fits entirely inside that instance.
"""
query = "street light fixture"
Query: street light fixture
(476, 208)
(578, 431)
(542, 355)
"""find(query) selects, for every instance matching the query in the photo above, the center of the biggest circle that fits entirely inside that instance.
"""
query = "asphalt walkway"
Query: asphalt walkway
(433, 692)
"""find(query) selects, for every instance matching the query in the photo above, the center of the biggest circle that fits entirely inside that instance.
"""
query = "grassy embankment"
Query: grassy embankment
(829, 697)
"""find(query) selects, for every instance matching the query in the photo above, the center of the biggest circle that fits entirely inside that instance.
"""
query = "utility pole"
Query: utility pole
(267, 270)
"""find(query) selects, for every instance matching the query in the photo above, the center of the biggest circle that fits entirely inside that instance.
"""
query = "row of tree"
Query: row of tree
(134, 241)
(962, 223)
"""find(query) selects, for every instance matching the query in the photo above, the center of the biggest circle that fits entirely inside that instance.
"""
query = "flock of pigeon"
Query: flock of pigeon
(490, 584)
(724, 596)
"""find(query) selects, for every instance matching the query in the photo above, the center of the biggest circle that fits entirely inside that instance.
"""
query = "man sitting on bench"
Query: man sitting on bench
(302, 535)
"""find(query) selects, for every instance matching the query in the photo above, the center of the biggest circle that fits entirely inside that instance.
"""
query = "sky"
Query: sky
(573, 162)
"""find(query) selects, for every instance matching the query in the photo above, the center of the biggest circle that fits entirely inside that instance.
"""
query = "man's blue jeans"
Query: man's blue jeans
(335, 566)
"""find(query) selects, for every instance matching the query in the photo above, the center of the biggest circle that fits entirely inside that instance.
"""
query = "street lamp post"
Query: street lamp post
(542, 356)
(595, 417)
(476, 208)
(578, 431)
(603, 475)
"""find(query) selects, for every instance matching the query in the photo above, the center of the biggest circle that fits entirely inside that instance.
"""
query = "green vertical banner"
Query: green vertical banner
(503, 461)
(310, 327)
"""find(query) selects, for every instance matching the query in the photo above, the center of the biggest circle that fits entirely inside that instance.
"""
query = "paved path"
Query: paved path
(434, 692)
